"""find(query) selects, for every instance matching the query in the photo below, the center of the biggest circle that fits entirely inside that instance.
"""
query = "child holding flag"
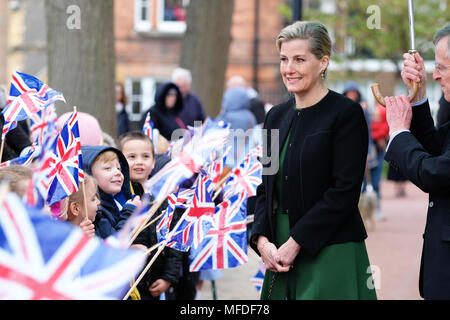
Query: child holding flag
(138, 150)
(75, 206)
(110, 168)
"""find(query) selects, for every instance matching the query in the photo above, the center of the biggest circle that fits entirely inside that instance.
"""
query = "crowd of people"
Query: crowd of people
(307, 227)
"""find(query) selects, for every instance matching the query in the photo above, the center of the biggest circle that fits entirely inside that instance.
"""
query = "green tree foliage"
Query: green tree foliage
(391, 38)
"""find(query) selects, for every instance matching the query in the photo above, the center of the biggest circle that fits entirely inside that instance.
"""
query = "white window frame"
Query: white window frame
(146, 97)
(142, 25)
(169, 26)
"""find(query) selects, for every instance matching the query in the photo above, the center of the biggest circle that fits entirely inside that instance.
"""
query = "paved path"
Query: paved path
(394, 248)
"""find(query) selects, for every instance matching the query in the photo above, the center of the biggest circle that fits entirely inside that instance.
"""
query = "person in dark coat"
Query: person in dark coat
(422, 153)
(307, 228)
(192, 105)
(110, 168)
(165, 113)
(443, 114)
(123, 121)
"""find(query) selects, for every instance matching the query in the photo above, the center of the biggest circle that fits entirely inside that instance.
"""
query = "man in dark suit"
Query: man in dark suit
(422, 153)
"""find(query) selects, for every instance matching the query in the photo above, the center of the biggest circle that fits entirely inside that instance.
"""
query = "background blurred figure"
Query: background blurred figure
(192, 106)
(257, 106)
(380, 135)
(236, 112)
(166, 111)
(123, 121)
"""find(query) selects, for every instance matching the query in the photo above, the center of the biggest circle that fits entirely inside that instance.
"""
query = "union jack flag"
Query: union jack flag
(42, 258)
(43, 124)
(175, 200)
(8, 126)
(246, 177)
(258, 279)
(148, 127)
(65, 162)
(177, 170)
(215, 168)
(20, 161)
(28, 95)
(225, 244)
(195, 221)
(211, 136)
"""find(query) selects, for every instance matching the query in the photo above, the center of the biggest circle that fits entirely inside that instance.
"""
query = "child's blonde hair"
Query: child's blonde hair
(77, 196)
(105, 157)
(16, 175)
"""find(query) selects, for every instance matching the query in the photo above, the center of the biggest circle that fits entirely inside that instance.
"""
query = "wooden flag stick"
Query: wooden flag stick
(83, 184)
(1, 148)
(148, 224)
(220, 183)
(139, 228)
(162, 245)
(150, 250)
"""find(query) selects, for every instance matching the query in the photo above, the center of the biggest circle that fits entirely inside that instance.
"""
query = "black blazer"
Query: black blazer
(423, 156)
(333, 159)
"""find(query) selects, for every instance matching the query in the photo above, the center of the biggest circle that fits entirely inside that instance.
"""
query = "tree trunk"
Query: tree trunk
(205, 49)
(81, 57)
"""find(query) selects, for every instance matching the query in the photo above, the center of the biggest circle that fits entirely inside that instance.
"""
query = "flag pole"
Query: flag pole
(83, 184)
(139, 228)
(160, 249)
(162, 245)
(1, 148)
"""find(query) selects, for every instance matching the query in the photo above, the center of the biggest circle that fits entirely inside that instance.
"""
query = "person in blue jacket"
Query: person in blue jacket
(110, 168)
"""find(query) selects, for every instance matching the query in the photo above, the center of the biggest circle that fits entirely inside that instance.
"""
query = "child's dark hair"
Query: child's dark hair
(135, 135)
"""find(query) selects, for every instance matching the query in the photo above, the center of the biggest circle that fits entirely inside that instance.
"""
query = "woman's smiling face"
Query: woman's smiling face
(299, 67)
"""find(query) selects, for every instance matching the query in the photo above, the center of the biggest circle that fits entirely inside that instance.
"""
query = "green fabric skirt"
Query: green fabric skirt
(338, 272)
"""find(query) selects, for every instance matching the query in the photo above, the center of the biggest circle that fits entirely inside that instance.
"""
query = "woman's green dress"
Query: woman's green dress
(338, 272)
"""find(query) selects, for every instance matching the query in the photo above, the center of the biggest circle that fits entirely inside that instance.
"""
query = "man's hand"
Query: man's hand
(398, 113)
(414, 70)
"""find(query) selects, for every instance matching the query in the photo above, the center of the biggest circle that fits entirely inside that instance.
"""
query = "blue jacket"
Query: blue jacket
(109, 217)
(236, 111)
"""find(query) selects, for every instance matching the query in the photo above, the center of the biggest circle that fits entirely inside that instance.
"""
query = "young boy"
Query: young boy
(138, 150)
(110, 169)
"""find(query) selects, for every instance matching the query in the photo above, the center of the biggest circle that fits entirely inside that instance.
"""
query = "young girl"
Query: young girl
(74, 208)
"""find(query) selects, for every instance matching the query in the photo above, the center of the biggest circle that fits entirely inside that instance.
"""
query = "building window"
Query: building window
(141, 15)
(172, 15)
(141, 95)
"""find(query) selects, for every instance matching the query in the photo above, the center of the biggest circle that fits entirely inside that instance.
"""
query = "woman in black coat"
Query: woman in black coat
(165, 113)
(307, 226)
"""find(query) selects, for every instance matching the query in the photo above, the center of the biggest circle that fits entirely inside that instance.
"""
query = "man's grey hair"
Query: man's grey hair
(181, 73)
(444, 32)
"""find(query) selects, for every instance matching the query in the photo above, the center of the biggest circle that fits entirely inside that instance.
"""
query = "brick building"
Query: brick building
(149, 44)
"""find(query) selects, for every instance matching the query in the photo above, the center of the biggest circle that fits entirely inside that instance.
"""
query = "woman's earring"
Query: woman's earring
(323, 75)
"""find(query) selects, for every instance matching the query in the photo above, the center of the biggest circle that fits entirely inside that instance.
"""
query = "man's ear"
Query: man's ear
(74, 208)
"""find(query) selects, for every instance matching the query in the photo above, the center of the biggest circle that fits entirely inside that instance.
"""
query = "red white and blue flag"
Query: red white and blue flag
(21, 161)
(42, 258)
(246, 177)
(180, 168)
(148, 127)
(258, 279)
(43, 125)
(196, 220)
(28, 95)
(65, 162)
(225, 244)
